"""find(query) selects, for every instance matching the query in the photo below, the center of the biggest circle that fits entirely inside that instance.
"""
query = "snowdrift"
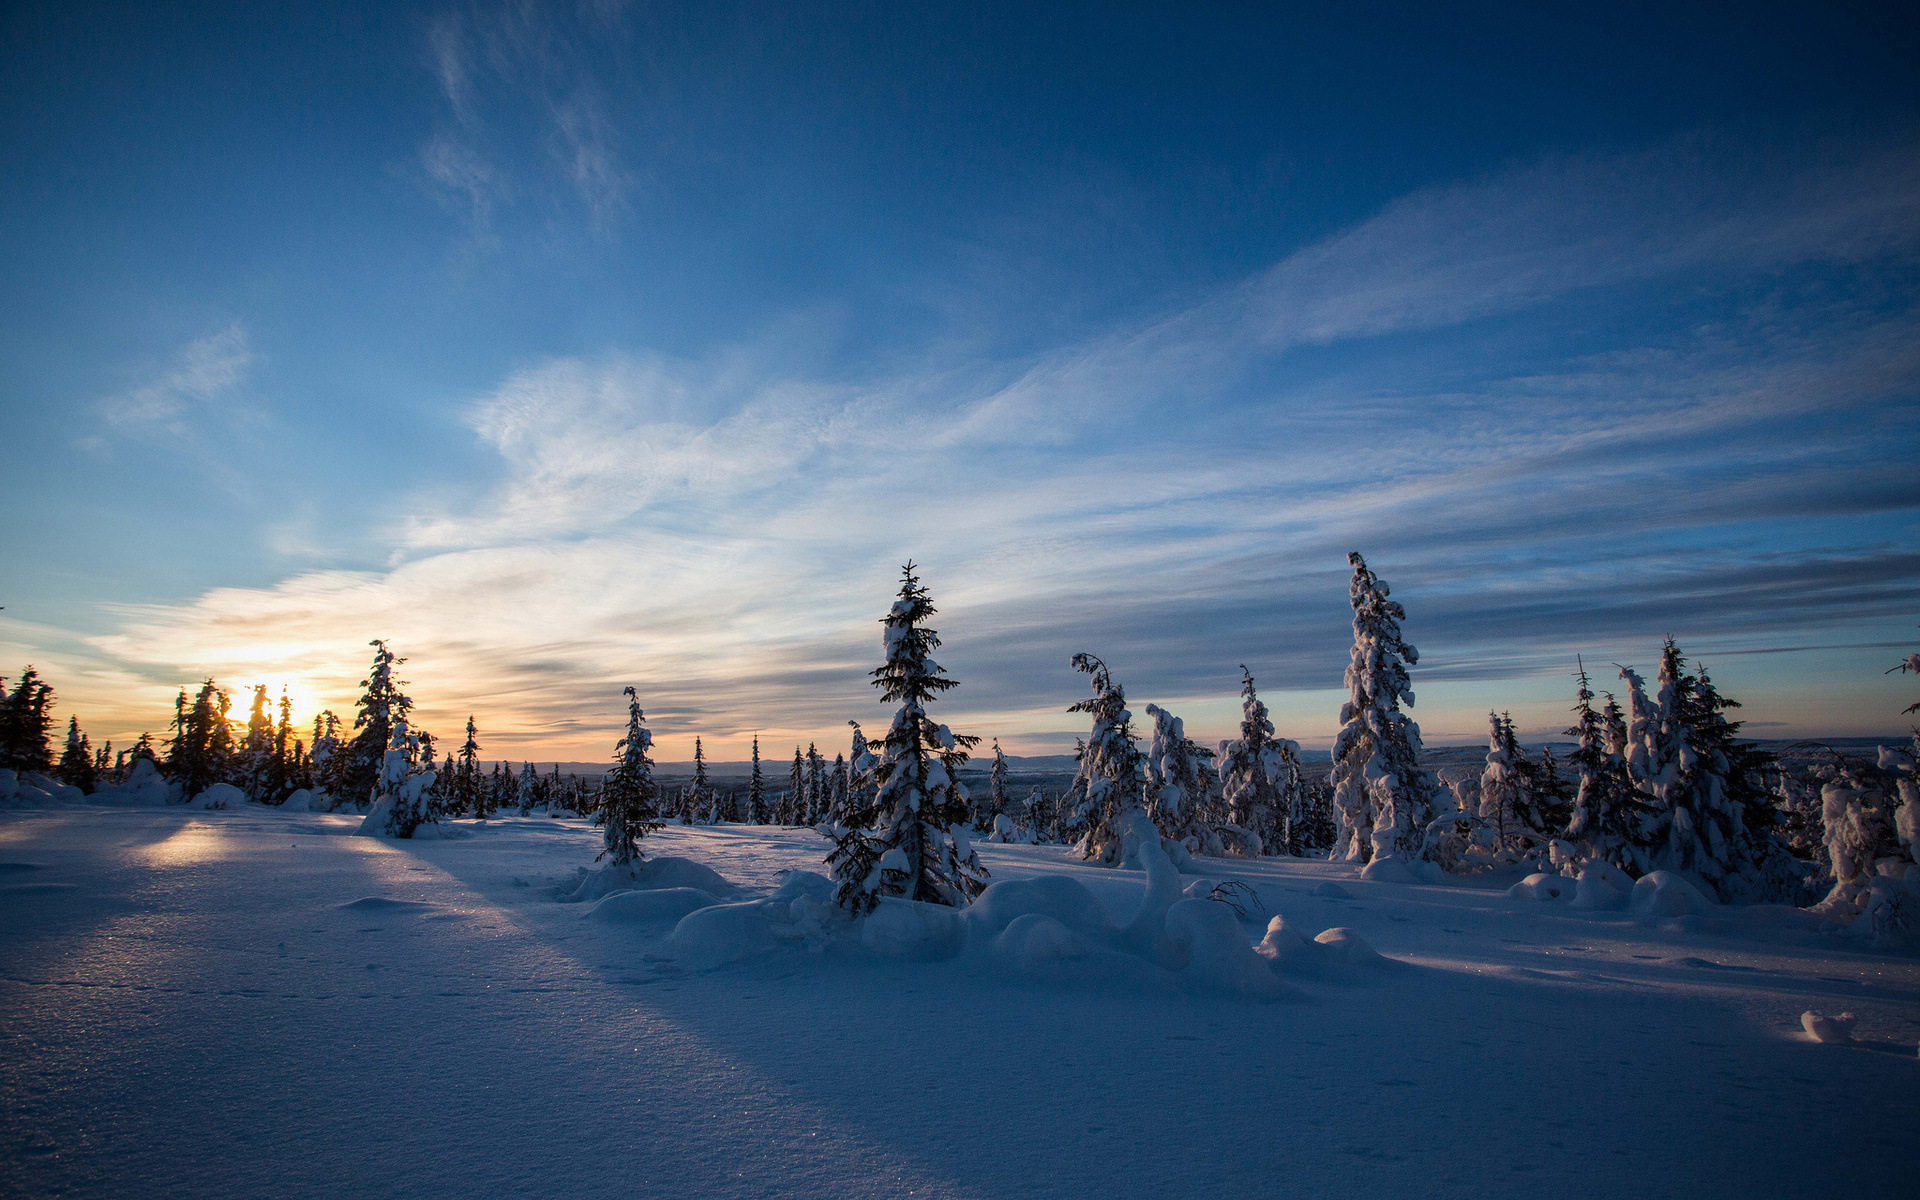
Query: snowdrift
(1052, 925)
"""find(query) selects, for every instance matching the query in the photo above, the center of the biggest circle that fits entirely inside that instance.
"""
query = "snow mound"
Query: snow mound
(1219, 958)
(721, 934)
(649, 875)
(651, 907)
(300, 801)
(1066, 900)
(1543, 887)
(220, 795)
(1830, 1030)
(1033, 939)
(34, 790)
(910, 929)
(1394, 868)
(1602, 888)
(1333, 953)
(144, 787)
(1332, 891)
(1664, 894)
(383, 904)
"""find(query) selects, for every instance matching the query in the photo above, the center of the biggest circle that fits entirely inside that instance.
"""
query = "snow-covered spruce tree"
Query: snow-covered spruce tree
(526, 790)
(76, 767)
(381, 700)
(794, 806)
(1110, 777)
(1260, 777)
(905, 835)
(817, 795)
(201, 751)
(254, 763)
(465, 788)
(997, 802)
(1178, 787)
(1609, 819)
(839, 787)
(1383, 800)
(629, 807)
(402, 799)
(1712, 814)
(26, 724)
(860, 764)
(756, 790)
(700, 797)
(1516, 819)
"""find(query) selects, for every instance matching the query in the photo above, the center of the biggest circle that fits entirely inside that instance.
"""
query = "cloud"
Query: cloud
(1674, 395)
(523, 101)
(206, 369)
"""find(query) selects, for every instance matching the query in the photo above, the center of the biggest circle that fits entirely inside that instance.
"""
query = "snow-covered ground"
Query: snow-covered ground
(253, 1003)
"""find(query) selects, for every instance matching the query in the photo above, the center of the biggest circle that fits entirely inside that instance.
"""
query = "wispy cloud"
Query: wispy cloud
(1649, 412)
(524, 104)
(205, 370)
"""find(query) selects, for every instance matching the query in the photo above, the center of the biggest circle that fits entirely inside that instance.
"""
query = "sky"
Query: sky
(567, 347)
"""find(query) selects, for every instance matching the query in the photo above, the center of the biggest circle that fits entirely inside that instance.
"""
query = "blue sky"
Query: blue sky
(576, 346)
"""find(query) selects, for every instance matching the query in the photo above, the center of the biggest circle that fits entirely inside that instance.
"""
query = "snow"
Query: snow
(1828, 1030)
(427, 1018)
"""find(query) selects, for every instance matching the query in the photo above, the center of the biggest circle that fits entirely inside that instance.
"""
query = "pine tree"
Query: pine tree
(906, 838)
(77, 767)
(1502, 793)
(380, 703)
(795, 809)
(630, 797)
(1110, 776)
(26, 724)
(756, 790)
(1383, 799)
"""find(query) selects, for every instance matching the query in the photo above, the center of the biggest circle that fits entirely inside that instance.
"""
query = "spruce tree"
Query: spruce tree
(839, 787)
(905, 838)
(1252, 769)
(1110, 776)
(756, 790)
(380, 703)
(202, 750)
(1179, 786)
(1608, 817)
(795, 809)
(816, 786)
(1712, 814)
(997, 802)
(77, 768)
(26, 724)
(406, 782)
(527, 789)
(466, 788)
(629, 797)
(701, 801)
(1383, 799)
